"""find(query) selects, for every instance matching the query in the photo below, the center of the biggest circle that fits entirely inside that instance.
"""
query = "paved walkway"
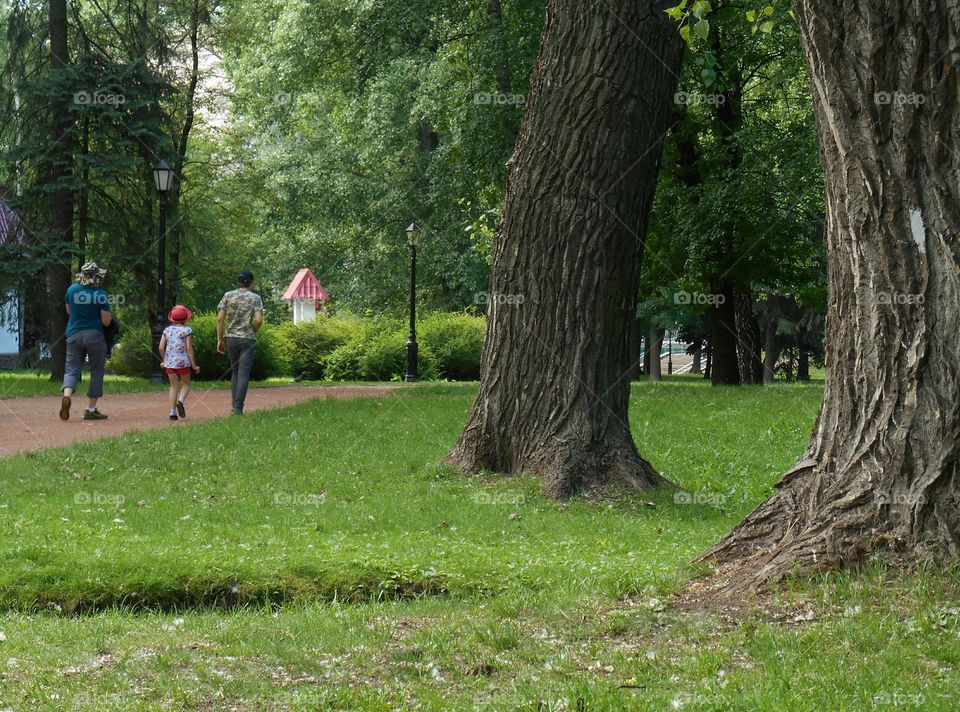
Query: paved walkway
(33, 423)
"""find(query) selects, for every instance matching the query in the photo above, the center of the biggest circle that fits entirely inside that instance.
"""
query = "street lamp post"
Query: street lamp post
(163, 180)
(670, 356)
(413, 239)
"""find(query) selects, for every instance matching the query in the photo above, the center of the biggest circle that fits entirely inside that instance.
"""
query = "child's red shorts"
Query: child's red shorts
(179, 371)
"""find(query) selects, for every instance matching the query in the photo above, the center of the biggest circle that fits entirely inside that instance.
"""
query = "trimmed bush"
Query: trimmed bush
(309, 344)
(455, 339)
(379, 353)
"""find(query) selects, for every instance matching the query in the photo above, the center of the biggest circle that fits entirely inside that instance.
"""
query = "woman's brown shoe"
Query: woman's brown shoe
(65, 408)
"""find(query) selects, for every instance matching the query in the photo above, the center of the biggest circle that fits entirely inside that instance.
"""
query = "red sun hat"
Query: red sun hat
(179, 314)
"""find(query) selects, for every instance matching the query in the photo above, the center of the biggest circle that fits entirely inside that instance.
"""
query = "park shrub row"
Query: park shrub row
(331, 348)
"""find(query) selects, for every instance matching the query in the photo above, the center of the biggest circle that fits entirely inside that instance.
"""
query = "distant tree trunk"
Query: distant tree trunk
(697, 358)
(61, 223)
(180, 160)
(748, 340)
(725, 366)
(83, 218)
(803, 364)
(708, 366)
(502, 68)
(882, 472)
(771, 351)
(655, 339)
(553, 397)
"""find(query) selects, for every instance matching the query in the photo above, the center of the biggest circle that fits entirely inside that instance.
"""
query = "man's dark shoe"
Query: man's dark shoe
(236, 411)
(173, 417)
(65, 408)
(181, 411)
(93, 415)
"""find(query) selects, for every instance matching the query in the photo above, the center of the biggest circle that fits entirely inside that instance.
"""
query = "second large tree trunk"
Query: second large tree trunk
(554, 388)
(882, 471)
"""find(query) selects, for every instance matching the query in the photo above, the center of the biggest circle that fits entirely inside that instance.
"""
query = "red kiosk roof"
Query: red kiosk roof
(306, 286)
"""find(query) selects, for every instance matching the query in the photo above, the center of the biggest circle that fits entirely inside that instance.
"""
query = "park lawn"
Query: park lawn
(319, 557)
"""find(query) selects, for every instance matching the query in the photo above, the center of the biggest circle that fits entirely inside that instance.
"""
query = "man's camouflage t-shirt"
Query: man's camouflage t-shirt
(240, 306)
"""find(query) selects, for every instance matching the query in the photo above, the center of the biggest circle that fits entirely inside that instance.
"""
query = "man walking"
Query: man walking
(239, 317)
(89, 310)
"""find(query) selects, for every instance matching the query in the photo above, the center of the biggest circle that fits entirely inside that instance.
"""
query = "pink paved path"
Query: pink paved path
(33, 423)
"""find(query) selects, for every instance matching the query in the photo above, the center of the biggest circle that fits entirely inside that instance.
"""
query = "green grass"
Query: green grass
(318, 557)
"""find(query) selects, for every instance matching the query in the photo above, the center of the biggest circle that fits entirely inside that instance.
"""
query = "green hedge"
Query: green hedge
(330, 348)
(132, 357)
(308, 345)
(377, 353)
(455, 339)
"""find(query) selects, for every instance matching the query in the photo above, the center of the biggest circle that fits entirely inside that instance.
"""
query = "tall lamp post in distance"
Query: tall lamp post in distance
(670, 356)
(163, 180)
(413, 239)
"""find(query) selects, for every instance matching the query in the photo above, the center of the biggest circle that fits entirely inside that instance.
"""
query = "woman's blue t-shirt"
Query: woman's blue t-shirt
(86, 303)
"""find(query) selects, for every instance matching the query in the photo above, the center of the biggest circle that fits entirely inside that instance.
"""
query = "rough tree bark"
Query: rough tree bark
(882, 471)
(554, 392)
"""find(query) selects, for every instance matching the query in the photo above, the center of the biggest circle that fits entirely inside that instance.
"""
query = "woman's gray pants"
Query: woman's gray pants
(87, 344)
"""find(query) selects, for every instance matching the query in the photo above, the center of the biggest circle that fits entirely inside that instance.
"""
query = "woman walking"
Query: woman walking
(89, 309)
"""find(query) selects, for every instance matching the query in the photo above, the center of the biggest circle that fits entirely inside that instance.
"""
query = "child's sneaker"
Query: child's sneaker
(181, 411)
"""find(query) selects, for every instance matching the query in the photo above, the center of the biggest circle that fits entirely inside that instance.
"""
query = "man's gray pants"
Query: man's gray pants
(240, 352)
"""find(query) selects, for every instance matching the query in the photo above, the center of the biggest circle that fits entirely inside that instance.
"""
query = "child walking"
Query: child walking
(176, 356)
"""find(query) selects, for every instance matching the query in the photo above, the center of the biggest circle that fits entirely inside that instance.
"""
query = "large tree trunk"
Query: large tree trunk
(882, 471)
(697, 358)
(554, 393)
(61, 219)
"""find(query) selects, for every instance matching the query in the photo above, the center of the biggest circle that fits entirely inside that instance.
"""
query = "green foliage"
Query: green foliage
(309, 344)
(456, 340)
